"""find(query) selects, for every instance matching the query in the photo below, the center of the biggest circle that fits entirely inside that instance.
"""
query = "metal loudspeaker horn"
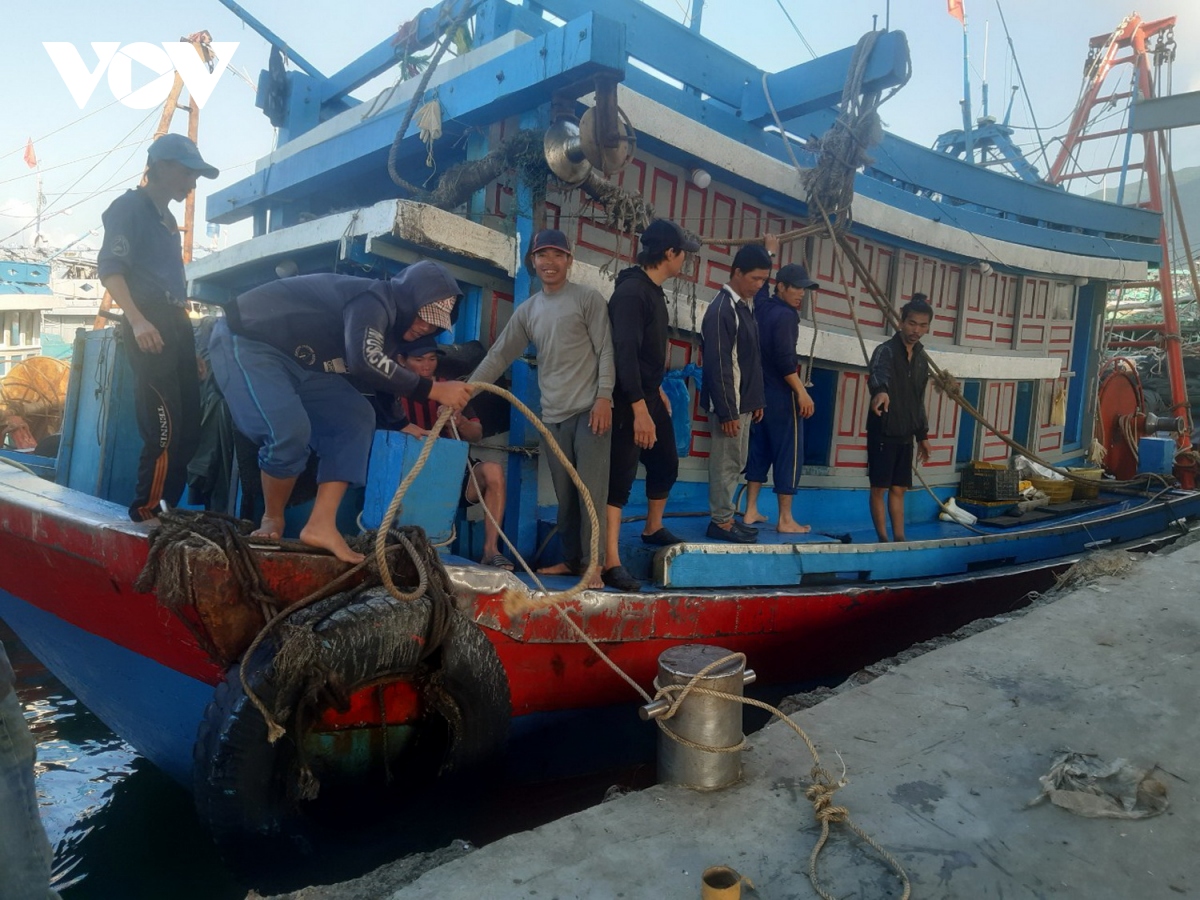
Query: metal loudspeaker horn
(564, 153)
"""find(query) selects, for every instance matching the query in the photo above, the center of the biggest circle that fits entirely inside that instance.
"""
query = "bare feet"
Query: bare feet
(331, 540)
(559, 569)
(792, 528)
(754, 517)
(595, 581)
(270, 528)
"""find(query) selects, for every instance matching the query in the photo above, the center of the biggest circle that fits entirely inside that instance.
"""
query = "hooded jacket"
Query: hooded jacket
(345, 324)
(638, 312)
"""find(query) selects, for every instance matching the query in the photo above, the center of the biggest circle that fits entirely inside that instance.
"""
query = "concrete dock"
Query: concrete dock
(942, 754)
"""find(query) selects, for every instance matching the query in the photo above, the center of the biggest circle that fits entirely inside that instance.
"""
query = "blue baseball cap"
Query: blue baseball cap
(183, 150)
(796, 275)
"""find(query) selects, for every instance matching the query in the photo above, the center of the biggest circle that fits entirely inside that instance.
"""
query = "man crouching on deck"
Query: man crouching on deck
(279, 356)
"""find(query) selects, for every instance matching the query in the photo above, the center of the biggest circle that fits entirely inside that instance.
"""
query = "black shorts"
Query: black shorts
(889, 464)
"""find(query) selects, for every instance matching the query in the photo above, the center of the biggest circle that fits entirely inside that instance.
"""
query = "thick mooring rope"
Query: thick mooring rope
(516, 600)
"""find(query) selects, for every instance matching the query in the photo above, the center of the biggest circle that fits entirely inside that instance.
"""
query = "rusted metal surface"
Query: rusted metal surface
(228, 620)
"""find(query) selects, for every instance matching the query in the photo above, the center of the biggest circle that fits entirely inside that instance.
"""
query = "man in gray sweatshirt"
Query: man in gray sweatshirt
(568, 326)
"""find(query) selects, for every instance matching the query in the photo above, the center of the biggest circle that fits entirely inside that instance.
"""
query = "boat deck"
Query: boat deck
(847, 551)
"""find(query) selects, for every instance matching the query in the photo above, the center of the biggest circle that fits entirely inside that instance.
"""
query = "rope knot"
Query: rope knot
(820, 795)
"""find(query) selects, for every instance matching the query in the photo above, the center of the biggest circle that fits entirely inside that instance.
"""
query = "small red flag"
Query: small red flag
(30, 156)
(955, 8)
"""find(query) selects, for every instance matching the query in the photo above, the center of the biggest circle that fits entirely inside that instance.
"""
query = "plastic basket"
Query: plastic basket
(1058, 491)
(988, 482)
(1087, 491)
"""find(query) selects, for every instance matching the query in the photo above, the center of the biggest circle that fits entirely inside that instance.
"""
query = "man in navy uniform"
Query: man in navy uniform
(141, 266)
(777, 442)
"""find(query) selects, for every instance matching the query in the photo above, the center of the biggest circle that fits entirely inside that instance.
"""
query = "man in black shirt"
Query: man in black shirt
(641, 414)
(898, 374)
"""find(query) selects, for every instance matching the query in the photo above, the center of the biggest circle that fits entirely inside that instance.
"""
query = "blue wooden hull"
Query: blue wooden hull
(150, 705)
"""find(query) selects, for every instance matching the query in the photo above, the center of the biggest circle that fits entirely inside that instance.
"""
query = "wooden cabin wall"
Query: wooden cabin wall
(989, 311)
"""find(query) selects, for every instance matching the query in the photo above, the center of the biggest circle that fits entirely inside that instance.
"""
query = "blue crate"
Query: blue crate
(432, 499)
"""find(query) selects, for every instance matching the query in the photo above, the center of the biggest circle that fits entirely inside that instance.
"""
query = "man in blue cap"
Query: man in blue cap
(777, 442)
(141, 266)
(281, 356)
(567, 324)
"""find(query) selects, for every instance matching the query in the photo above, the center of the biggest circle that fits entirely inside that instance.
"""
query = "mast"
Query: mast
(1133, 36)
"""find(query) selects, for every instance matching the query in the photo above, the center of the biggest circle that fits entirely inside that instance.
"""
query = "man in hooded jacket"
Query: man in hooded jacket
(642, 430)
(280, 355)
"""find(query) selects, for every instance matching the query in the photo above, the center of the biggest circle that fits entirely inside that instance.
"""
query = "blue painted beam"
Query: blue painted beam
(961, 183)
(1105, 221)
(518, 80)
(817, 84)
(428, 26)
(669, 47)
(957, 179)
(1157, 113)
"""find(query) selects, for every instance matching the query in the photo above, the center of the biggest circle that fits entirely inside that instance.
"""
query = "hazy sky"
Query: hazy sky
(87, 157)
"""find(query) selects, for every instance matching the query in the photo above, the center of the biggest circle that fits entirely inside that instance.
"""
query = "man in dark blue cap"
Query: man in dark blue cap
(141, 266)
(777, 442)
(281, 356)
(641, 414)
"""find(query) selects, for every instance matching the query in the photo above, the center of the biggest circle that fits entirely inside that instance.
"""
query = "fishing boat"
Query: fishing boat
(1017, 273)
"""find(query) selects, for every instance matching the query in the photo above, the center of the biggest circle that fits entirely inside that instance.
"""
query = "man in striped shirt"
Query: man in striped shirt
(417, 417)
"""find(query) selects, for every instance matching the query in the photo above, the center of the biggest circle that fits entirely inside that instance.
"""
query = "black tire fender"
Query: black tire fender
(246, 790)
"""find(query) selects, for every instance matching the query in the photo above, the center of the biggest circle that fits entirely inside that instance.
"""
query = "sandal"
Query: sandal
(499, 561)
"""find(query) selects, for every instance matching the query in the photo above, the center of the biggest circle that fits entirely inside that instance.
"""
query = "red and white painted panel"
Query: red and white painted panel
(943, 417)
(831, 301)
(849, 449)
(990, 302)
(1061, 339)
(999, 406)
(1035, 314)
(937, 280)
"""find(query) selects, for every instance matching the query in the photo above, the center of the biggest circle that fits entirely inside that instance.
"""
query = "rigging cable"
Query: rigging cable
(1028, 102)
(803, 40)
(151, 115)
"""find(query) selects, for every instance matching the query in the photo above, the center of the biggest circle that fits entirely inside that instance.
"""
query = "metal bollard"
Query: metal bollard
(711, 721)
